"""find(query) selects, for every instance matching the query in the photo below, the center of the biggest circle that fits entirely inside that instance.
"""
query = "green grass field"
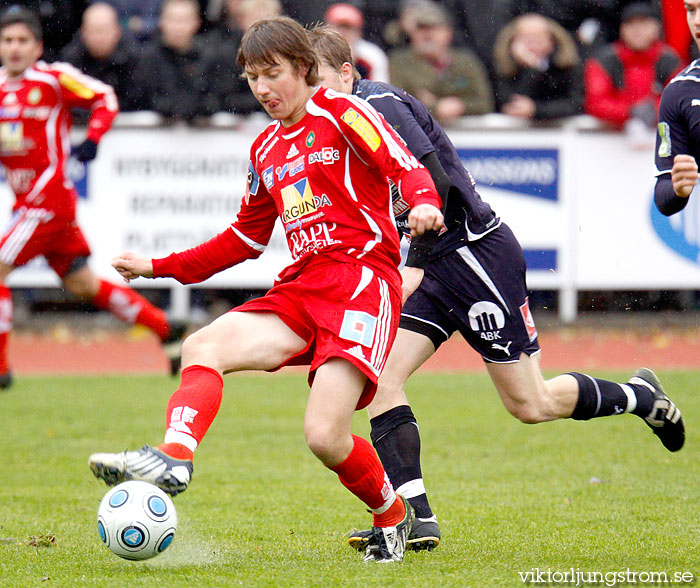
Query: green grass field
(262, 511)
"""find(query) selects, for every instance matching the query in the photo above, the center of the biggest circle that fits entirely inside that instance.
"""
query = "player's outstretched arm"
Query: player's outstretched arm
(132, 265)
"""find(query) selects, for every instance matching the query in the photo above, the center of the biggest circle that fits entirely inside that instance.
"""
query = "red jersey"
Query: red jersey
(327, 179)
(35, 122)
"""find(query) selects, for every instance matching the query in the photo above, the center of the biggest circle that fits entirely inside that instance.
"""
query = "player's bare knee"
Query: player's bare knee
(324, 443)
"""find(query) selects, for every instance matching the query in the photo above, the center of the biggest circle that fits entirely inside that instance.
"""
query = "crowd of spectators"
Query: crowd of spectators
(533, 60)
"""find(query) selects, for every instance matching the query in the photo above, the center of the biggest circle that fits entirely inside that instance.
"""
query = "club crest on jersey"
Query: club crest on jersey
(362, 127)
(310, 138)
(326, 156)
(34, 96)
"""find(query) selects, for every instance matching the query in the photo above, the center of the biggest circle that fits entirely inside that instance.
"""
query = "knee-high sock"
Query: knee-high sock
(599, 398)
(396, 438)
(362, 473)
(5, 325)
(191, 409)
(131, 307)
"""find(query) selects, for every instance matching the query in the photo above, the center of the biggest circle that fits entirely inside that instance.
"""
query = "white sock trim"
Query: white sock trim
(631, 397)
(384, 507)
(173, 436)
(412, 488)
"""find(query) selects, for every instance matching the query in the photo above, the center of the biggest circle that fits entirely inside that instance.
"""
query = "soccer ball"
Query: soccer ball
(136, 520)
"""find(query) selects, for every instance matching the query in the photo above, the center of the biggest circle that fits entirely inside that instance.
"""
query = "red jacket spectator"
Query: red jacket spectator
(626, 78)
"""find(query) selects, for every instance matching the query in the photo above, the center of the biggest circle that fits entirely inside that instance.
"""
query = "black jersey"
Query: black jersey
(467, 216)
(678, 131)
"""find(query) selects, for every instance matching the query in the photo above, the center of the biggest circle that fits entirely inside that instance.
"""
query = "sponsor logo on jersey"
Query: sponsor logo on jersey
(34, 96)
(265, 153)
(326, 156)
(310, 138)
(362, 127)
(37, 112)
(11, 136)
(293, 168)
(10, 98)
(487, 319)
(10, 111)
(293, 151)
(528, 319)
(74, 86)
(268, 177)
(299, 200)
(695, 102)
(665, 140)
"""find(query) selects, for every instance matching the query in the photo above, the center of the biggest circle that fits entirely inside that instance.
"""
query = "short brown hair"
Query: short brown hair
(269, 39)
(331, 47)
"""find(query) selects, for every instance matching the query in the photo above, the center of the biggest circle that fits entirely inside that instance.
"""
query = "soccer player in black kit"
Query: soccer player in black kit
(678, 131)
(470, 278)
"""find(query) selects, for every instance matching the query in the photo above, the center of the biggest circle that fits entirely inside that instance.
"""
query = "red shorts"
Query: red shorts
(37, 231)
(342, 310)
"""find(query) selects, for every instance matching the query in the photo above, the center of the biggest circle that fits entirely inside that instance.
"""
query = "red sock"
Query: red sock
(191, 409)
(131, 307)
(5, 325)
(362, 473)
(392, 516)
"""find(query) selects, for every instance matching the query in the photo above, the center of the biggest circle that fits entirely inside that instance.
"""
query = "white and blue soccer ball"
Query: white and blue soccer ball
(136, 520)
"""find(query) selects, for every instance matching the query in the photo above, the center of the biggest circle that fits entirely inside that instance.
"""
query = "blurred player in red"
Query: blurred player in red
(321, 167)
(35, 103)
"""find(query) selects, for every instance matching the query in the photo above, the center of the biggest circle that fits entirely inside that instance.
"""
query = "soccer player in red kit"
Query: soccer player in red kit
(35, 103)
(322, 168)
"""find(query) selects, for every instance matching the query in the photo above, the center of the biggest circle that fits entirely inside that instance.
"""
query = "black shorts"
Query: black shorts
(478, 290)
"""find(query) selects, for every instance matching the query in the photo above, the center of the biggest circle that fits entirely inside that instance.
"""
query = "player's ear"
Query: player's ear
(346, 71)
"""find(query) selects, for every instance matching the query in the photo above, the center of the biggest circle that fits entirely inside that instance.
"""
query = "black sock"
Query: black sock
(598, 398)
(397, 441)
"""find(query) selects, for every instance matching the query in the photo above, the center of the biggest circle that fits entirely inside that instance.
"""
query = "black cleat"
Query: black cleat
(665, 419)
(388, 544)
(6, 380)
(424, 535)
(172, 346)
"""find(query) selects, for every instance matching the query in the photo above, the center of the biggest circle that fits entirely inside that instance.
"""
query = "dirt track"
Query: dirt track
(137, 352)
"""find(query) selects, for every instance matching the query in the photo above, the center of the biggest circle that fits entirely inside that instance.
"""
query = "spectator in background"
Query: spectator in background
(177, 69)
(370, 60)
(624, 80)
(139, 17)
(538, 69)
(231, 90)
(103, 52)
(451, 82)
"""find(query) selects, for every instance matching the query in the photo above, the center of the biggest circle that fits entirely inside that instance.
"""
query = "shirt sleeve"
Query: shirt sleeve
(245, 239)
(82, 91)
(672, 132)
(379, 145)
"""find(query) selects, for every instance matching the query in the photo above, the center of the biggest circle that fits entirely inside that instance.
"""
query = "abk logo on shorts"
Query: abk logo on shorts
(487, 319)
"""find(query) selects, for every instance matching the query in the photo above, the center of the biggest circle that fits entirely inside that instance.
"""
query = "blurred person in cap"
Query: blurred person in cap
(450, 81)
(624, 79)
(370, 60)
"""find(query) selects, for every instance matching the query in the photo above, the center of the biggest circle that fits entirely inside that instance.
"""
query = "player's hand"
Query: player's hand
(86, 151)
(132, 265)
(684, 175)
(424, 217)
(412, 277)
